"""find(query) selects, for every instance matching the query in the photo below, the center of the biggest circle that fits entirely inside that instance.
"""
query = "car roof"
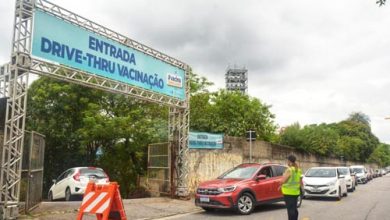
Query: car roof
(323, 168)
(257, 164)
(249, 165)
(92, 168)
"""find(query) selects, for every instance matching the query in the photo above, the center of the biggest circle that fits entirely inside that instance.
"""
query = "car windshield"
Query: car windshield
(344, 171)
(321, 173)
(358, 170)
(92, 172)
(240, 173)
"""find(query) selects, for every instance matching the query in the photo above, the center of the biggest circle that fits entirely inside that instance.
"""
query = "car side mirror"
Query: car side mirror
(261, 177)
(54, 181)
(341, 176)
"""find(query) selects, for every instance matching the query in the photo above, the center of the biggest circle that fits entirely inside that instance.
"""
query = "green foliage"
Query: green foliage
(231, 113)
(351, 138)
(198, 84)
(381, 155)
(77, 121)
(293, 136)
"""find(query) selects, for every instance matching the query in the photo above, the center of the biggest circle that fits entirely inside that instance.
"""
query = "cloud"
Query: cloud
(313, 61)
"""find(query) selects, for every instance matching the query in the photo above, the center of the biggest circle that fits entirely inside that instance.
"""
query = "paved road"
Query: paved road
(368, 202)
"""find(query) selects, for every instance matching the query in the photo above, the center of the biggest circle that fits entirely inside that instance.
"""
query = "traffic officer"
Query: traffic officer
(291, 187)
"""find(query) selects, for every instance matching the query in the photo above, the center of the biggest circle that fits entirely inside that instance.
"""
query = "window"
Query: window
(321, 172)
(266, 171)
(240, 173)
(279, 170)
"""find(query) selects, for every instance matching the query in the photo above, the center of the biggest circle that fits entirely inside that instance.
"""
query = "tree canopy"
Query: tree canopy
(351, 139)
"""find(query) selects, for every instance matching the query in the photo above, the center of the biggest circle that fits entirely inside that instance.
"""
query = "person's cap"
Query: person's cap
(291, 158)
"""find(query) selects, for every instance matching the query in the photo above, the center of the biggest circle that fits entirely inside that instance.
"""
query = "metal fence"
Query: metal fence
(32, 171)
(159, 168)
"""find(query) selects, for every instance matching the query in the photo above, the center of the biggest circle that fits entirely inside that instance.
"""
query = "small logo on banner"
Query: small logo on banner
(175, 80)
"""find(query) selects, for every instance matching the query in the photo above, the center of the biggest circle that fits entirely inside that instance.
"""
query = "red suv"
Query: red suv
(242, 188)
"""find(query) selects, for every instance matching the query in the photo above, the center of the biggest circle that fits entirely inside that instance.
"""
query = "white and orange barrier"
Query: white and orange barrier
(103, 200)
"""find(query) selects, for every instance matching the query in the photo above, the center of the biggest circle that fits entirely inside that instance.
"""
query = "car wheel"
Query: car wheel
(299, 200)
(207, 209)
(245, 204)
(339, 195)
(68, 195)
(50, 196)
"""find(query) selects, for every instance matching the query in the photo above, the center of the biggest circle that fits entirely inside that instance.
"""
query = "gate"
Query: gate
(159, 168)
(32, 171)
(169, 85)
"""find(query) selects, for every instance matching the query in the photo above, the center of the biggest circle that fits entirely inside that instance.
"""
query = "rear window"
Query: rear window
(343, 171)
(92, 172)
(358, 170)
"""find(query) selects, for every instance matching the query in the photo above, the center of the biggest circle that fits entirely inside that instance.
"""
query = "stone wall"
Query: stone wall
(209, 164)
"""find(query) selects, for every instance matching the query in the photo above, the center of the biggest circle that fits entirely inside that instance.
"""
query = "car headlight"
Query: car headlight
(227, 189)
(332, 183)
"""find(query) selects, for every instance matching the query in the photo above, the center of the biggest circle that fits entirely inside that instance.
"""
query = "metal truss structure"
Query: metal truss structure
(14, 82)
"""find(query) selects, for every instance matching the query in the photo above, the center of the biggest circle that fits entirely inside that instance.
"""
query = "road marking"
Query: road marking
(305, 218)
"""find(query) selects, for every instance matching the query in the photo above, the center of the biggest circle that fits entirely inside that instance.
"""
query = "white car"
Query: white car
(324, 182)
(74, 181)
(349, 177)
(361, 173)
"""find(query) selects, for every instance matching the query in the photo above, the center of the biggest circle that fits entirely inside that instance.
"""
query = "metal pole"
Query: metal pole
(250, 146)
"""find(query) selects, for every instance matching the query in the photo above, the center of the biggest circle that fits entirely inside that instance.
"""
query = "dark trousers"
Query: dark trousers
(291, 204)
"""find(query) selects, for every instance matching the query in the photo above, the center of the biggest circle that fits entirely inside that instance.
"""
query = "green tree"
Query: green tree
(231, 113)
(351, 138)
(381, 155)
(55, 110)
(77, 121)
(292, 136)
(360, 118)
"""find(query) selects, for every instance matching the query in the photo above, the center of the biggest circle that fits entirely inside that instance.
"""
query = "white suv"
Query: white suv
(73, 182)
(324, 182)
(349, 177)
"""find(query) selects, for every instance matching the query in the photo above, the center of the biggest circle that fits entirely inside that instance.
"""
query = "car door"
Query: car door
(278, 172)
(59, 189)
(342, 182)
(55, 186)
(263, 188)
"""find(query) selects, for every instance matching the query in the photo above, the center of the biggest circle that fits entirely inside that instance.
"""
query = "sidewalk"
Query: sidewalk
(146, 208)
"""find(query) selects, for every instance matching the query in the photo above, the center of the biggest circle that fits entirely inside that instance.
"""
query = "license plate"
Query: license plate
(204, 199)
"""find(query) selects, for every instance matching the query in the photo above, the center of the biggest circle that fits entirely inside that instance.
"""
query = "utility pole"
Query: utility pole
(250, 136)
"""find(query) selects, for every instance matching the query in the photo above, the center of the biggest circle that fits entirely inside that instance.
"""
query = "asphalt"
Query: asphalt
(146, 208)
(369, 202)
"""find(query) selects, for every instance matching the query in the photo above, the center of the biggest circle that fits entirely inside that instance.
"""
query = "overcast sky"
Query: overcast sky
(313, 61)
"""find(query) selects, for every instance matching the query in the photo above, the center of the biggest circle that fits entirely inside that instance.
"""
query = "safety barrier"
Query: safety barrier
(104, 201)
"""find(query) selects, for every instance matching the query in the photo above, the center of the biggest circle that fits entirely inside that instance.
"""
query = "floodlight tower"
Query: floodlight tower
(237, 79)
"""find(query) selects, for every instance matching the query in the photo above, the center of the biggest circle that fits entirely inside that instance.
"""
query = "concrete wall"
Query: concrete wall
(209, 164)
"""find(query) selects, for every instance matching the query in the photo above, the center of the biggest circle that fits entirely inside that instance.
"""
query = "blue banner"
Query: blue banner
(59, 41)
(203, 140)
